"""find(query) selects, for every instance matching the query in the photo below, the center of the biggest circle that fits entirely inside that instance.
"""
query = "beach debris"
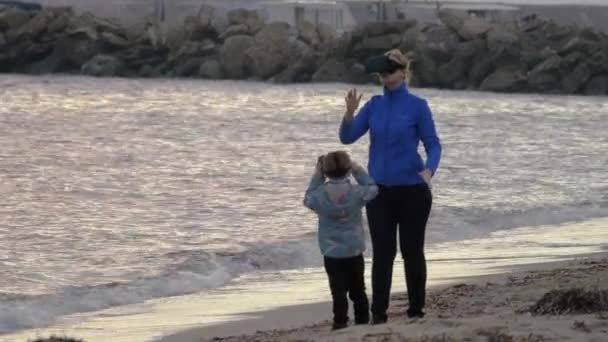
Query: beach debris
(581, 326)
(571, 301)
(54, 338)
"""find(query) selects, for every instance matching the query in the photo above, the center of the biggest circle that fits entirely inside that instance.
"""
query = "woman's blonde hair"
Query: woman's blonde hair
(404, 60)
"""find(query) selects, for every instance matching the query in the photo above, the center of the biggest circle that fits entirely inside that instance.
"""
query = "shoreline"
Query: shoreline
(299, 321)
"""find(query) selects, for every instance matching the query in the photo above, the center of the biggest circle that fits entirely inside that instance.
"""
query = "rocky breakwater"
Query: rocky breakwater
(463, 52)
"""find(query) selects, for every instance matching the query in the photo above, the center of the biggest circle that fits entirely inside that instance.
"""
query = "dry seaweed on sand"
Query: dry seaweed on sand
(571, 301)
(57, 339)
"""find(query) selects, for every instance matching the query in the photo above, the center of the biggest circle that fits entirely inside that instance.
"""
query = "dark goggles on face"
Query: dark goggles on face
(381, 65)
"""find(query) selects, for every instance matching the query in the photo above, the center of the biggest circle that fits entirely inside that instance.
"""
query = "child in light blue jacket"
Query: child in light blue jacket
(338, 204)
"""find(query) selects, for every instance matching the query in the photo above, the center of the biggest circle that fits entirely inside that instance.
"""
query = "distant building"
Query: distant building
(343, 15)
(335, 14)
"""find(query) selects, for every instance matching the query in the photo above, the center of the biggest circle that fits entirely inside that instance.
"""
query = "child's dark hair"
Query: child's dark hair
(336, 164)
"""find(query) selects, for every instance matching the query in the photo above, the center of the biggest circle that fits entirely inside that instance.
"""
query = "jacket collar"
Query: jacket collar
(402, 89)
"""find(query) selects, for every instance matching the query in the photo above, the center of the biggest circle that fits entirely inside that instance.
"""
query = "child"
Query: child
(338, 204)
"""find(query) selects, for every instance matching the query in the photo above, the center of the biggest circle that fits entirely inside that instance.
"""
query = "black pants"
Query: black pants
(346, 277)
(407, 207)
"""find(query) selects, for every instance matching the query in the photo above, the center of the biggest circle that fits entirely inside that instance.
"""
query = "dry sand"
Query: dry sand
(492, 308)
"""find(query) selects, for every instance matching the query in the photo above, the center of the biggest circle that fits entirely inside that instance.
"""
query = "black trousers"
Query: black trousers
(406, 207)
(346, 277)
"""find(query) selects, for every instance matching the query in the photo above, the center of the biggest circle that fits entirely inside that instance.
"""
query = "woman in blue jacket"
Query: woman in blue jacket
(397, 121)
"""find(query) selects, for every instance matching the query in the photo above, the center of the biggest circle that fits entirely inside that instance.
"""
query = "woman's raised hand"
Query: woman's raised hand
(352, 103)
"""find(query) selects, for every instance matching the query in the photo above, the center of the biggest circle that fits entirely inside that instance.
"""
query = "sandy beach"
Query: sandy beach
(559, 301)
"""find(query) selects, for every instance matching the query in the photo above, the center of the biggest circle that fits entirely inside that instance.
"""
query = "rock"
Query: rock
(307, 32)
(507, 56)
(578, 44)
(380, 28)
(86, 32)
(275, 34)
(409, 39)
(481, 67)
(270, 52)
(499, 36)
(503, 81)
(331, 71)
(473, 28)
(188, 68)
(199, 27)
(59, 24)
(551, 64)
(75, 52)
(574, 80)
(33, 28)
(103, 66)
(301, 70)
(450, 73)
(233, 56)
(598, 85)
(113, 40)
(382, 43)
(12, 19)
(424, 70)
(264, 62)
(2, 41)
(543, 81)
(438, 42)
(100, 24)
(453, 19)
(571, 60)
(137, 56)
(193, 49)
(598, 62)
(326, 32)
(234, 30)
(251, 19)
(470, 48)
(211, 69)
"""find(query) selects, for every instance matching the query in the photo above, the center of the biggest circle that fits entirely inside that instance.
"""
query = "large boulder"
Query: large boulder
(188, 68)
(452, 73)
(192, 49)
(549, 65)
(11, 19)
(33, 28)
(466, 26)
(331, 71)
(544, 82)
(379, 28)
(211, 69)
(499, 36)
(234, 30)
(233, 56)
(504, 80)
(273, 35)
(574, 80)
(270, 53)
(424, 69)
(307, 32)
(103, 66)
(249, 18)
(264, 63)
(302, 63)
(438, 42)
(326, 32)
(481, 67)
(598, 85)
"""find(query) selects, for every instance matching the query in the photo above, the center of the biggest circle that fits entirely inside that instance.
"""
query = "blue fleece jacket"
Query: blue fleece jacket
(397, 122)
